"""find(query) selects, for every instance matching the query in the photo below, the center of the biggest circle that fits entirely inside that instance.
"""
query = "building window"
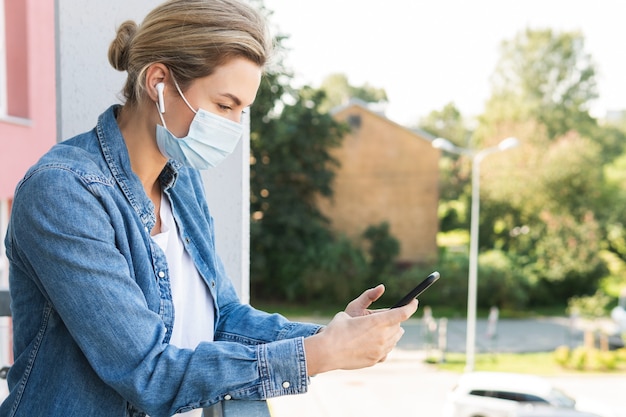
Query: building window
(5, 207)
(354, 121)
(13, 59)
(3, 62)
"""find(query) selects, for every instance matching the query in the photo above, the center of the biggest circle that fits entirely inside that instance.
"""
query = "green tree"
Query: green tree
(615, 220)
(544, 204)
(566, 261)
(548, 208)
(447, 123)
(339, 90)
(295, 256)
(291, 165)
(539, 207)
(454, 171)
(546, 76)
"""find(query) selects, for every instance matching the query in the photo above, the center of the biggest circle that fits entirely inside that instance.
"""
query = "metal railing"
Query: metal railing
(234, 408)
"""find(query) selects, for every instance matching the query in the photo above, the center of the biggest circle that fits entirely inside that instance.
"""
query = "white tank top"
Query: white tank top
(194, 314)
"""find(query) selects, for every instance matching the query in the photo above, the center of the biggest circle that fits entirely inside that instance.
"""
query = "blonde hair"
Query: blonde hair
(192, 38)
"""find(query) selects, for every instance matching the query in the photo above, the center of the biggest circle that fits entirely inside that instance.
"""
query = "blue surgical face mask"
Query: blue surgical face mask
(210, 140)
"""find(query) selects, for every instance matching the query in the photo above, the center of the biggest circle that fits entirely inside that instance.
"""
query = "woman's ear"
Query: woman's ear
(155, 80)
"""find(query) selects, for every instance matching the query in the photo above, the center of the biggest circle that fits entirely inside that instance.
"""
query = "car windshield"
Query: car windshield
(560, 399)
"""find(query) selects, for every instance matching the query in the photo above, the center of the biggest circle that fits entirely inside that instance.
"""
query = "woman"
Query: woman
(121, 306)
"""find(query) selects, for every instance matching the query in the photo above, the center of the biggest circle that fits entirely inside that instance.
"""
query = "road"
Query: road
(405, 385)
(511, 335)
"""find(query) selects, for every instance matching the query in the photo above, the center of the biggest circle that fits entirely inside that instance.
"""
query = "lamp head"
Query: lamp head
(508, 143)
(443, 144)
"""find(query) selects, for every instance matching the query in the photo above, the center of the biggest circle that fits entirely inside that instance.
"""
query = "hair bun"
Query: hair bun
(118, 50)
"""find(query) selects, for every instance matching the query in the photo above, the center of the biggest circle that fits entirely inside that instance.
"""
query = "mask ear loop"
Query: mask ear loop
(183, 96)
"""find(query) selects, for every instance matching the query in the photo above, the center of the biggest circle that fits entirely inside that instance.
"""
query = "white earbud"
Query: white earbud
(160, 87)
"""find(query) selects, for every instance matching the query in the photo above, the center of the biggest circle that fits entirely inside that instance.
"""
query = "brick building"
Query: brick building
(388, 173)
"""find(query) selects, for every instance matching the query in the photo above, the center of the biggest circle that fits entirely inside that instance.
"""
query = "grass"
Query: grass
(532, 363)
(526, 363)
(295, 311)
(453, 239)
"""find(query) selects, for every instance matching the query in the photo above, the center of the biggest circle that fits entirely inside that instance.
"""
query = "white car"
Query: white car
(497, 394)
(547, 411)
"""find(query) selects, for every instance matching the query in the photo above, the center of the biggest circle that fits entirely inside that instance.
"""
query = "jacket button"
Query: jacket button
(286, 384)
(227, 397)
(161, 274)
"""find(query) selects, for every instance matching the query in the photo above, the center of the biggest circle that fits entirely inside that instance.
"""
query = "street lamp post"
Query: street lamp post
(476, 157)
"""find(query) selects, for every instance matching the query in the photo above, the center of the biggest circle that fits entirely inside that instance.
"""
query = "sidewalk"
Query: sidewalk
(401, 386)
(405, 386)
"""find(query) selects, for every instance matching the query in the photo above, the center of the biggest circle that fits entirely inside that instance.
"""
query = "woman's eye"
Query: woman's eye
(224, 107)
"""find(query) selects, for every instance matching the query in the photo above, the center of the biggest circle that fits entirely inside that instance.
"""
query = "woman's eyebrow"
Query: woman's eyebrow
(233, 97)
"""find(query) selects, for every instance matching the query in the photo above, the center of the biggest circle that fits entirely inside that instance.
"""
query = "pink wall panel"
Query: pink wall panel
(30, 129)
(16, 35)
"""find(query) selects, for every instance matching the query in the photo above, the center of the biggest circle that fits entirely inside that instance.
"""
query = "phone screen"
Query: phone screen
(420, 288)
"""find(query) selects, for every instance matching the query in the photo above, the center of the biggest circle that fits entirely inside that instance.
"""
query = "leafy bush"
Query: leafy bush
(397, 285)
(591, 306)
(562, 355)
(382, 250)
(579, 358)
(588, 359)
(339, 276)
(607, 360)
(499, 282)
(450, 291)
(566, 261)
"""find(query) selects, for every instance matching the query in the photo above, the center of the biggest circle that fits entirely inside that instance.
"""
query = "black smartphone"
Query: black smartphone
(421, 287)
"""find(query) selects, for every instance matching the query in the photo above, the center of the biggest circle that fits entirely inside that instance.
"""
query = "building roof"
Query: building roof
(376, 109)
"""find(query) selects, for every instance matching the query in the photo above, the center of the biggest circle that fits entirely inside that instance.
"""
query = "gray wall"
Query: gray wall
(87, 85)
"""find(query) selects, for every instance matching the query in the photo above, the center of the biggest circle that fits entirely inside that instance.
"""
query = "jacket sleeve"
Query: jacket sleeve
(67, 234)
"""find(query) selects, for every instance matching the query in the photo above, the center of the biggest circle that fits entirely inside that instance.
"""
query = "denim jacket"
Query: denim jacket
(91, 300)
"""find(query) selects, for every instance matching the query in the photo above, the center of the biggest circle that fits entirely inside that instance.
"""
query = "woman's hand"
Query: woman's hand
(357, 338)
(359, 306)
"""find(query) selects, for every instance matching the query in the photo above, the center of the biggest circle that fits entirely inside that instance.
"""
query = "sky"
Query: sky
(428, 53)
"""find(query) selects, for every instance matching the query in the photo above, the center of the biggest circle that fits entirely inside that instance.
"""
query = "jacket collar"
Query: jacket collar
(116, 157)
